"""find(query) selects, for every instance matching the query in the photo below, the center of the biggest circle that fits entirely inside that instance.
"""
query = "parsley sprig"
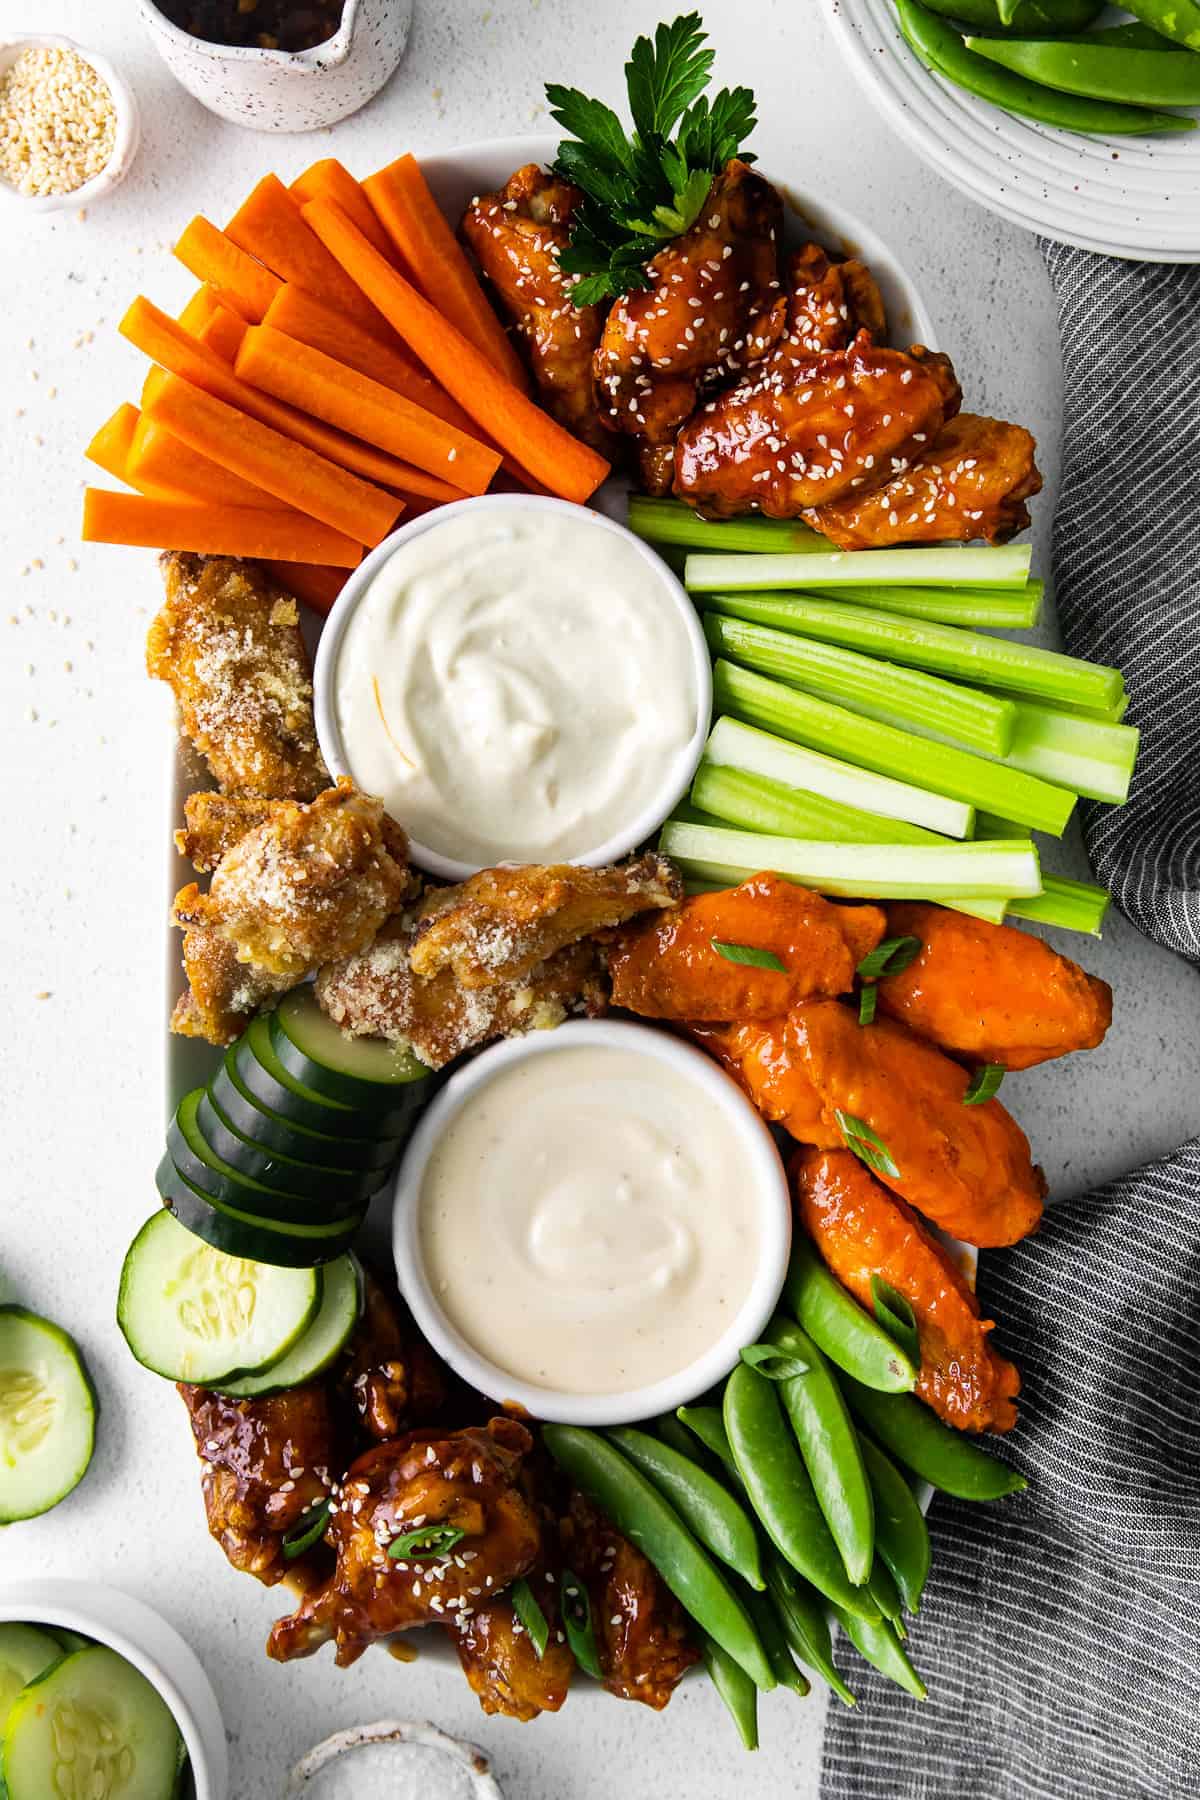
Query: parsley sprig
(645, 188)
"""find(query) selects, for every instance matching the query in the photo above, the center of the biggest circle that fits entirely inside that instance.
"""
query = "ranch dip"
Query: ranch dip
(517, 684)
(588, 1222)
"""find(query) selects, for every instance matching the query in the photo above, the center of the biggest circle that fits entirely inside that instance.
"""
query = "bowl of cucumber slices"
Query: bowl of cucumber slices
(99, 1695)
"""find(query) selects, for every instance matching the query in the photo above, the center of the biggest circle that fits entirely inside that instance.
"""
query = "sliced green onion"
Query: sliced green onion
(997, 609)
(994, 869)
(577, 1622)
(309, 1527)
(671, 522)
(894, 1312)
(743, 746)
(426, 1542)
(525, 1605)
(866, 1144)
(891, 957)
(955, 565)
(980, 721)
(868, 1000)
(773, 1363)
(1071, 905)
(985, 1084)
(746, 953)
(903, 755)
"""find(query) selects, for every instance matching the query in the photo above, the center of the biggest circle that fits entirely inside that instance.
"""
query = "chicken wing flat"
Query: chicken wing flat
(828, 304)
(641, 1629)
(991, 993)
(376, 993)
(228, 642)
(862, 1230)
(464, 1480)
(310, 884)
(516, 235)
(711, 311)
(803, 429)
(500, 924)
(214, 822)
(765, 1065)
(499, 1659)
(971, 481)
(665, 966)
(967, 1168)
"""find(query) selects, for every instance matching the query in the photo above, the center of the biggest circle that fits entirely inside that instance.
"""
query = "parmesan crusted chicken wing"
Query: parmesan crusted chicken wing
(862, 1230)
(711, 310)
(310, 884)
(516, 235)
(213, 824)
(228, 642)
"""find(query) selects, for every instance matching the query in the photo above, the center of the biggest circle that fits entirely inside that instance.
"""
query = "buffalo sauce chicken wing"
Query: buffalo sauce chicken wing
(764, 1064)
(863, 1230)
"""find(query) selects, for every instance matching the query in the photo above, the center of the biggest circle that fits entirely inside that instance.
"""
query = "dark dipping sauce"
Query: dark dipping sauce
(257, 24)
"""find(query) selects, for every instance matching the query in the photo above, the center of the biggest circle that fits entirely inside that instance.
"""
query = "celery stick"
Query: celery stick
(1073, 905)
(900, 754)
(1083, 754)
(979, 721)
(745, 747)
(993, 870)
(1101, 715)
(955, 565)
(946, 649)
(671, 522)
(757, 803)
(992, 825)
(1000, 609)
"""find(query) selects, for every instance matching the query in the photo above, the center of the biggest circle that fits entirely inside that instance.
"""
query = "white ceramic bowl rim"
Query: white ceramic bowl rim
(682, 766)
(331, 50)
(125, 138)
(764, 1176)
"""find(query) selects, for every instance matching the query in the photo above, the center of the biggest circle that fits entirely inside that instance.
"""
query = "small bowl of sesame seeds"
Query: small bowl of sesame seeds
(68, 124)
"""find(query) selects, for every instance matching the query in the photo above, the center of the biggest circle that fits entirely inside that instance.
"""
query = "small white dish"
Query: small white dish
(154, 1648)
(677, 777)
(370, 1760)
(128, 127)
(764, 1178)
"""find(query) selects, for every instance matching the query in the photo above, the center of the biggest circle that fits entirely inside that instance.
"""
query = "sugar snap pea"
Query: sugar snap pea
(706, 1423)
(881, 1586)
(639, 1511)
(780, 1489)
(767, 1623)
(901, 1534)
(842, 1328)
(706, 1508)
(828, 1443)
(878, 1644)
(942, 50)
(735, 1688)
(914, 1435)
(1134, 35)
(802, 1616)
(1176, 19)
(1031, 18)
(1101, 71)
(672, 1432)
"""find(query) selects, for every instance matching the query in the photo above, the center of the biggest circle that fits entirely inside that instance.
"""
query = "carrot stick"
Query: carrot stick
(331, 180)
(213, 257)
(539, 444)
(333, 391)
(200, 308)
(165, 467)
(433, 258)
(164, 340)
(110, 447)
(223, 333)
(287, 470)
(110, 518)
(314, 583)
(269, 225)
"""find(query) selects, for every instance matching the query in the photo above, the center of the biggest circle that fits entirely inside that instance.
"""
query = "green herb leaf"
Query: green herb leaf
(867, 998)
(531, 1616)
(664, 77)
(591, 121)
(746, 953)
(866, 1145)
(309, 1527)
(775, 1364)
(577, 1621)
(985, 1084)
(425, 1543)
(896, 1315)
(891, 957)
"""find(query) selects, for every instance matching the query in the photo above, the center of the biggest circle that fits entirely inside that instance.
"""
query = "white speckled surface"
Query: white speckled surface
(82, 904)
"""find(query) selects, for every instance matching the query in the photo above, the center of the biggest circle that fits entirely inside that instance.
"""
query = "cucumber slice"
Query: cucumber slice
(333, 1194)
(253, 1119)
(267, 1080)
(25, 1653)
(69, 1640)
(91, 1725)
(47, 1415)
(365, 1072)
(322, 1343)
(191, 1313)
(238, 1233)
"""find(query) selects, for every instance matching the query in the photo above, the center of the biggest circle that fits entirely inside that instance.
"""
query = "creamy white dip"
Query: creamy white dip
(588, 1222)
(517, 685)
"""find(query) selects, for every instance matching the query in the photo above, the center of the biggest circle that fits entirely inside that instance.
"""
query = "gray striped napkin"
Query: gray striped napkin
(1060, 1633)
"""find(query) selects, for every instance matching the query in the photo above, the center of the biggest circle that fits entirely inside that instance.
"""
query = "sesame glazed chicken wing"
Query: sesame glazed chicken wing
(862, 1230)
(666, 967)
(828, 304)
(501, 1662)
(464, 1480)
(991, 993)
(516, 235)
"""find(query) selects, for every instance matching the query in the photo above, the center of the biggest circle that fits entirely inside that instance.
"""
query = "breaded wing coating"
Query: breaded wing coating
(214, 822)
(228, 642)
(862, 1230)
